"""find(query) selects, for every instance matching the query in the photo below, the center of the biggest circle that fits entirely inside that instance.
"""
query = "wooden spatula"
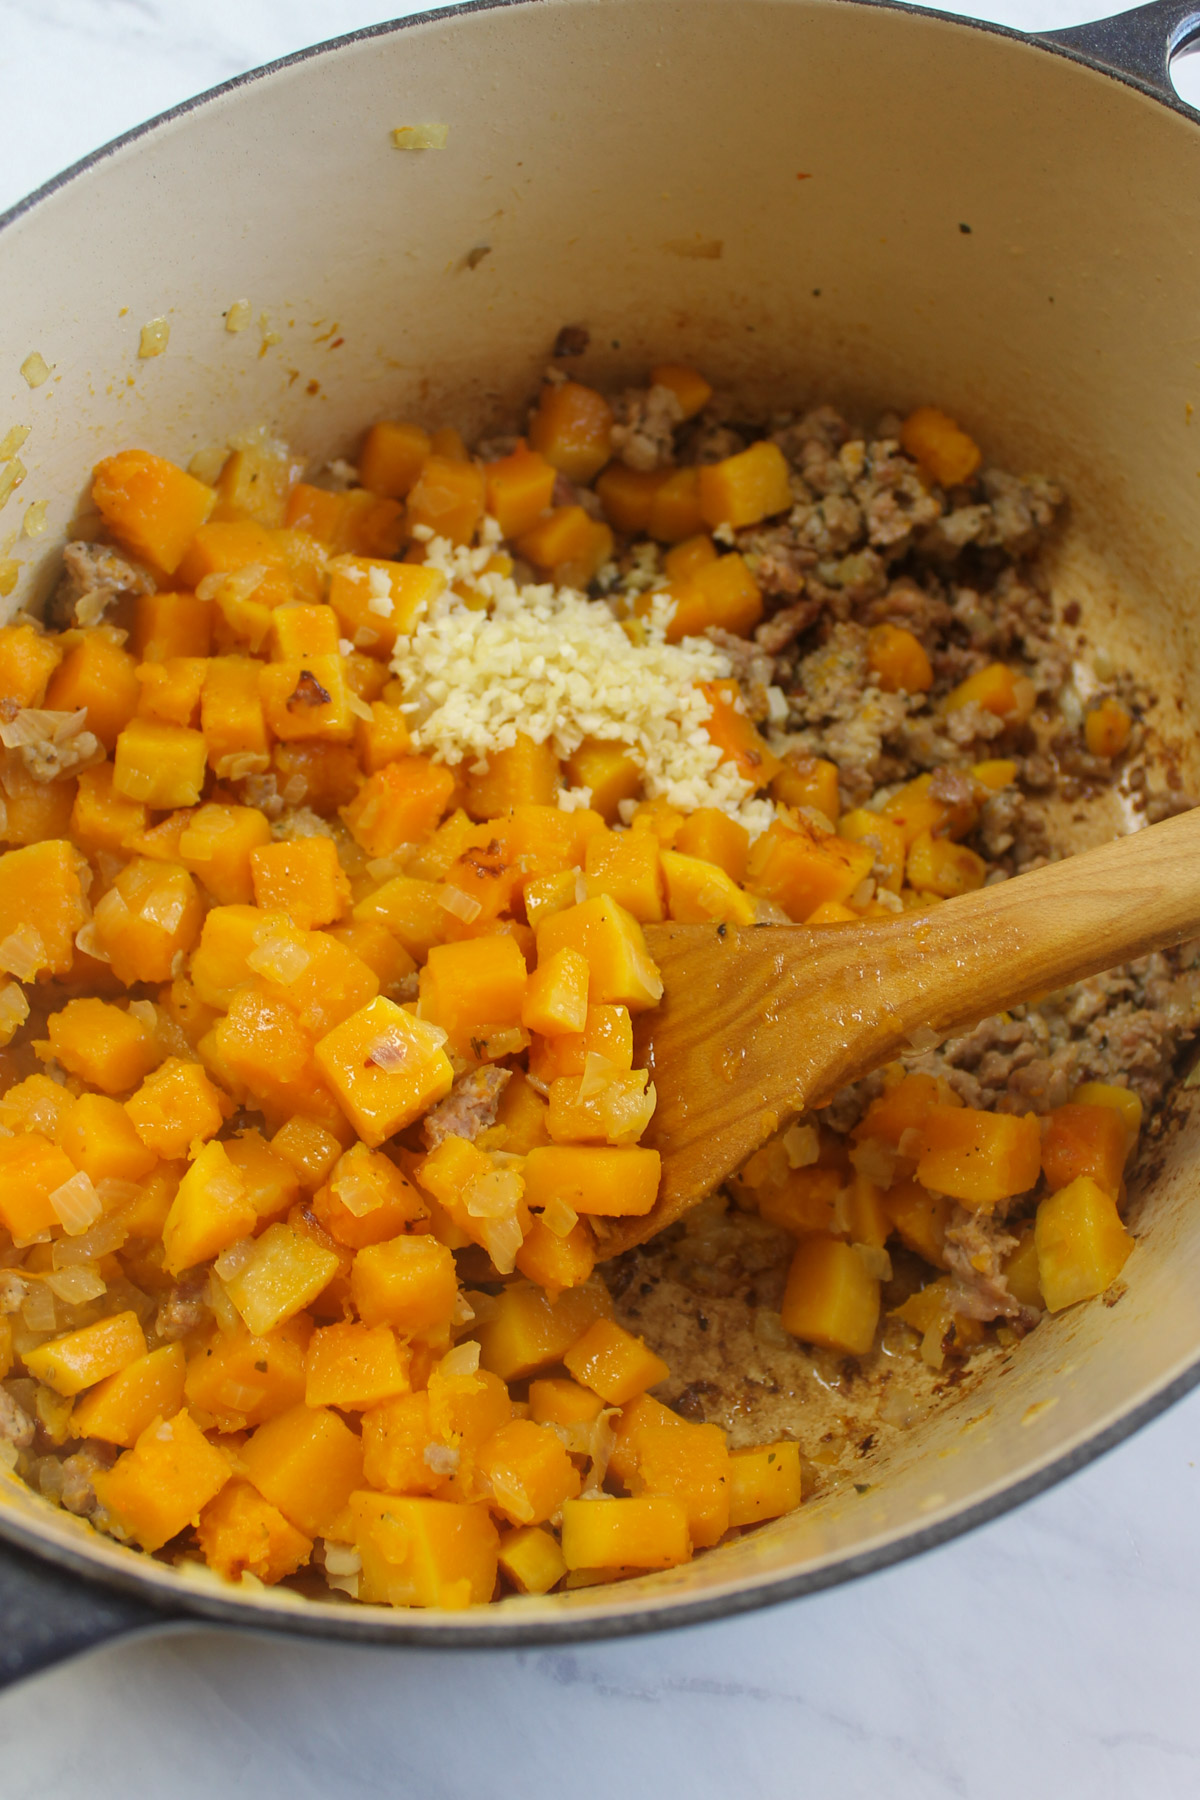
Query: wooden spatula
(759, 1022)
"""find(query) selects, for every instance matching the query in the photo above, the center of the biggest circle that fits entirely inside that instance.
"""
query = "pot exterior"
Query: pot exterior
(812, 199)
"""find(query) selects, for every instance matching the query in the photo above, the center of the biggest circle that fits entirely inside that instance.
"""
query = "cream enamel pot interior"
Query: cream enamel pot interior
(808, 198)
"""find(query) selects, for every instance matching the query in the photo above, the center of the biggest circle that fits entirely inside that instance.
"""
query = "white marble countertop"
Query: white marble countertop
(1053, 1653)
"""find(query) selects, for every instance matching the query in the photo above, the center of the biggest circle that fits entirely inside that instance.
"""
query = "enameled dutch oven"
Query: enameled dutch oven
(808, 198)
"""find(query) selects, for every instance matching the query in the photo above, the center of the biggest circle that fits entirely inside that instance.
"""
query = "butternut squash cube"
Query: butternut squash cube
(383, 738)
(1107, 727)
(916, 811)
(830, 1299)
(936, 866)
(119, 1408)
(407, 1282)
(699, 891)
(1082, 1246)
(28, 658)
(801, 868)
(556, 997)
(572, 428)
(675, 507)
(610, 939)
(525, 774)
(299, 631)
(169, 692)
(396, 1435)
(613, 1182)
(367, 1200)
(363, 523)
(285, 1271)
(528, 1471)
(626, 866)
(997, 689)
(218, 844)
(410, 909)
(240, 1533)
(419, 1552)
(309, 1149)
(231, 718)
(885, 839)
(519, 488)
(1085, 1140)
(355, 1366)
(392, 457)
(808, 781)
(174, 1106)
(81, 1358)
(522, 1115)
(613, 1363)
(386, 1068)
(979, 1157)
(711, 836)
(307, 699)
(100, 818)
(554, 1262)
(99, 1137)
(691, 1464)
(527, 1332)
(400, 804)
(898, 661)
(641, 1415)
(170, 625)
(31, 1170)
(735, 734)
(473, 989)
(159, 765)
(98, 675)
(745, 488)
(609, 770)
(1123, 1099)
(556, 1401)
(941, 447)
(376, 602)
(764, 1483)
(608, 1106)
(243, 1380)
(104, 1045)
(568, 546)
(447, 497)
(42, 906)
(531, 1559)
(150, 916)
(627, 495)
(648, 1532)
(306, 1462)
(210, 1211)
(270, 1181)
(164, 1483)
(688, 386)
(720, 595)
(919, 1219)
(150, 506)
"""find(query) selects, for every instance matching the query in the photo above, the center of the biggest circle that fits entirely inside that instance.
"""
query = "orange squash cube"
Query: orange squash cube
(555, 1262)
(150, 916)
(309, 1149)
(164, 1483)
(307, 1463)
(799, 868)
(1123, 1099)
(421, 1552)
(377, 601)
(262, 1047)
(100, 818)
(556, 997)
(174, 1106)
(307, 700)
(240, 1533)
(937, 866)
(526, 1331)
(99, 675)
(675, 507)
(884, 838)
(103, 1044)
(383, 738)
(385, 1067)
(150, 506)
(627, 867)
(31, 1170)
(99, 1137)
(648, 1532)
(231, 718)
(997, 689)
(830, 1299)
(407, 1282)
(556, 1401)
(808, 781)
(613, 1363)
(898, 661)
(1085, 1140)
(217, 846)
(42, 906)
(721, 594)
(689, 388)
(691, 1464)
(609, 770)
(915, 810)
(285, 1271)
(621, 1182)
(621, 971)
(531, 1559)
(400, 804)
(271, 1182)
(119, 1408)
(641, 1415)
(711, 836)
(169, 692)
(525, 774)
(745, 488)
(367, 1200)
(28, 658)
(392, 458)
(572, 428)
(568, 545)
(448, 498)
(609, 1106)
(627, 496)
(919, 1219)
(736, 736)
(474, 988)
(764, 1483)
(979, 1157)
(299, 631)
(171, 625)
(528, 1471)
(519, 488)
(1082, 1246)
(81, 1358)
(396, 1435)
(355, 1366)
(945, 451)
(699, 891)
(522, 1115)
(243, 1380)
(358, 521)
(1107, 727)
(210, 1211)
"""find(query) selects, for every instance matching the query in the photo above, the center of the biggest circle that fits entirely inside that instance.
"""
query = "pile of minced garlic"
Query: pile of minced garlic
(492, 658)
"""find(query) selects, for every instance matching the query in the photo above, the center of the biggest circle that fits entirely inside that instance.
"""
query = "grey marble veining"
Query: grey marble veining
(1052, 1654)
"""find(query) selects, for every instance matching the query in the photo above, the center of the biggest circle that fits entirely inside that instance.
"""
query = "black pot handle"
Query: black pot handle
(48, 1614)
(1138, 44)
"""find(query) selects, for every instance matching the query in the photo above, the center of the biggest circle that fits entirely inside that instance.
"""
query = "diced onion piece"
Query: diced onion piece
(23, 953)
(420, 137)
(116, 1194)
(154, 337)
(924, 1037)
(603, 1437)
(35, 369)
(341, 1559)
(358, 706)
(37, 1308)
(101, 1240)
(802, 1146)
(232, 1261)
(495, 1195)
(357, 1192)
(238, 316)
(464, 1312)
(462, 1360)
(76, 1204)
(509, 1042)
(502, 1238)
(875, 1260)
(443, 1459)
(14, 1010)
(461, 906)
(390, 1053)
(280, 959)
(558, 1217)
(38, 725)
(146, 1011)
(598, 1075)
(216, 1298)
(76, 1285)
